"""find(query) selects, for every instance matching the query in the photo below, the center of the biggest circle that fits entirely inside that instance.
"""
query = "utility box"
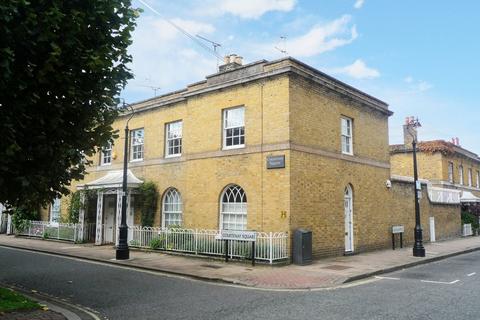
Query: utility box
(302, 247)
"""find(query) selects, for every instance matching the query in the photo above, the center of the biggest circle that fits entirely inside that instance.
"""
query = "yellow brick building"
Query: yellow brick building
(270, 146)
(444, 164)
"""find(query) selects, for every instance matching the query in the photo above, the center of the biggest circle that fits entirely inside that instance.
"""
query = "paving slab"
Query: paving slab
(323, 273)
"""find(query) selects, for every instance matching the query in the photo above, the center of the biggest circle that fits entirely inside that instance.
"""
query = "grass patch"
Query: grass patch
(12, 301)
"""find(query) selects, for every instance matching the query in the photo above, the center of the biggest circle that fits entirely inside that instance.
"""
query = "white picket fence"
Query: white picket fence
(270, 246)
(467, 230)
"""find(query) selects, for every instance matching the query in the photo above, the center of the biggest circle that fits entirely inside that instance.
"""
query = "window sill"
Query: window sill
(240, 146)
(105, 164)
(136, 160)
(348, 153)
(173, 156)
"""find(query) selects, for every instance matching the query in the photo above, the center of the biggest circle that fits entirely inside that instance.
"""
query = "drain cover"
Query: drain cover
(336, 267)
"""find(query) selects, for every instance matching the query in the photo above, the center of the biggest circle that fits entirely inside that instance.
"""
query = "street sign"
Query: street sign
(275, 162)
(237, 235)
(398, 229)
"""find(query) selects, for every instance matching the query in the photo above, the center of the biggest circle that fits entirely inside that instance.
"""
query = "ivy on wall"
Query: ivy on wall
(148, 199)
(75, 205)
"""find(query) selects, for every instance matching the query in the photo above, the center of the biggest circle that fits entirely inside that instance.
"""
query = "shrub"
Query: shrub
(156, 243)
(22, 216)
(468, 217)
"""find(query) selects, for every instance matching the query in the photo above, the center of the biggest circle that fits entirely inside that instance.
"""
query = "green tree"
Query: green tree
(62, 65)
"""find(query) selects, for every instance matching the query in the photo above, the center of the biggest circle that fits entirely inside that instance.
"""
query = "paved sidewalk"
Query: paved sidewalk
(322, 273)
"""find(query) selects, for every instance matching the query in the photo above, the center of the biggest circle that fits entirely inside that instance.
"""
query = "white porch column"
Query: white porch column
(99, 233)
(119, 215)
(81, 217)
(9, 225)
(130, 213)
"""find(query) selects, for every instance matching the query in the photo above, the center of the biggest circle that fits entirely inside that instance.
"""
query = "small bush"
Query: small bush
(156, 243)
(467, 218)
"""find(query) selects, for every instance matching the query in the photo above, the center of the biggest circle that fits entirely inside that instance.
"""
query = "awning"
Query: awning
(468, 197)
(113, 179)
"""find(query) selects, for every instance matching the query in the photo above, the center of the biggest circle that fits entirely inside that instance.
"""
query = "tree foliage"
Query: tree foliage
(62, 65)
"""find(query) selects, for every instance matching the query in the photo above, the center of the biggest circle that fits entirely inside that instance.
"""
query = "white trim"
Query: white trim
(243, 205)
(167, 139)
(142, 144)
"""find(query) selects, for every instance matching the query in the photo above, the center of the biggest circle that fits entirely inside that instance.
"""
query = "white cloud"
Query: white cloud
(165, 58)
(418, 85)
(358, 70)
(320, 38)
(423, 86)
(247, 9)
(358, 4)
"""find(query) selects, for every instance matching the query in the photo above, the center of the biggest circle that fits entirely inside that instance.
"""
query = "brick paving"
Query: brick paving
(32, 315)
(321, 273)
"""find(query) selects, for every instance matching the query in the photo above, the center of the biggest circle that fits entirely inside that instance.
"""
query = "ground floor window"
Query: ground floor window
(233, 206)
(172, 208)
(55, 211)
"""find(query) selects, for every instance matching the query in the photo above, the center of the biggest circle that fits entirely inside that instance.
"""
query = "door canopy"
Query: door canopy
(113, 179)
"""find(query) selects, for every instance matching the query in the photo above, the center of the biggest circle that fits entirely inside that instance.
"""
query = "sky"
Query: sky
(421, 57)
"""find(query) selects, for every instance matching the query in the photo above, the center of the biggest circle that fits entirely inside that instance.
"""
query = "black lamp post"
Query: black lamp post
(418, 248)
(122, 251)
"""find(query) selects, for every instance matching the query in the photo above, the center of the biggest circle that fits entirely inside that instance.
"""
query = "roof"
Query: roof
(259, 70)
(113, 179)
(444, 147)
(468, 197)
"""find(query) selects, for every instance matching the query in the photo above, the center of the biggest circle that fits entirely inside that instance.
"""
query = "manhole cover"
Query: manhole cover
(211, 266)
(336, 267)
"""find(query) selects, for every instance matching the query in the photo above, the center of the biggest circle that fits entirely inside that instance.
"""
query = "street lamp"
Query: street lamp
(418, 248)
(122, 251)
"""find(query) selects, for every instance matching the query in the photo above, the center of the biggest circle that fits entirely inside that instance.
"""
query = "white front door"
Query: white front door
(348, 208)
(109, 217)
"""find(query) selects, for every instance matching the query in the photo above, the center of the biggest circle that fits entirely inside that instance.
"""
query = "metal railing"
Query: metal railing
(270, 246)
(49, 230)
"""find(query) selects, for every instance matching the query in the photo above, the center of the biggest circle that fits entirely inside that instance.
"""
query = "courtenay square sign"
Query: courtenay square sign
(237, 235)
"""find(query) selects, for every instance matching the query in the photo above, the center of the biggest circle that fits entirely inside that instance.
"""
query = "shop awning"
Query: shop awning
(113, 179)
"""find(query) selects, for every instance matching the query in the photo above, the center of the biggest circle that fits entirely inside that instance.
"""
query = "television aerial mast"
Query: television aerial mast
(215, 46)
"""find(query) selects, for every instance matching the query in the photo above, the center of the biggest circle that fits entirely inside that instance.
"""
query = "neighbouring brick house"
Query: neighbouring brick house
(445, 164)
(267, 146)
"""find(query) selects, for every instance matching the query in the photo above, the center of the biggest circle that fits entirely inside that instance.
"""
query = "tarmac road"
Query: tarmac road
(446, 289)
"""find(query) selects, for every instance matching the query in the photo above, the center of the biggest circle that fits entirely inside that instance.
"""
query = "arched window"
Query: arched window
(172, 208)
(233, 208)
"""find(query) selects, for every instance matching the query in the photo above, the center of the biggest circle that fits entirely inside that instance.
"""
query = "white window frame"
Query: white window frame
(227, 127)
(173, 134)
(460, 174)
(233, 212)
(478, 179)
(106, 155)
(55, 211)
(134, 143)
(172, 208)
(346, 129)
(450, 172)
(470, 177)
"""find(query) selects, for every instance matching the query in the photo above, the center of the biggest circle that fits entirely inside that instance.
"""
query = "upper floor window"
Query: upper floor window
(55, 211)
(173, 141)
(450, 172)
(478, 179)
(136, 150)
(347, 136)
(233, 128)
(460, 173)
(470, 183)
(106, 156)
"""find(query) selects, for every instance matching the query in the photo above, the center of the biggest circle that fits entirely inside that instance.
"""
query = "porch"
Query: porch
(104, 209)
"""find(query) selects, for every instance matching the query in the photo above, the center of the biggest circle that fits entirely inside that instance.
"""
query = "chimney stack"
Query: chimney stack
(457, 141)
(231, 62)
(409, 131)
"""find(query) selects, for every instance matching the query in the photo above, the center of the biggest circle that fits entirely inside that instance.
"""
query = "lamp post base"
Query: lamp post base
(419, 251)
(122, 254)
